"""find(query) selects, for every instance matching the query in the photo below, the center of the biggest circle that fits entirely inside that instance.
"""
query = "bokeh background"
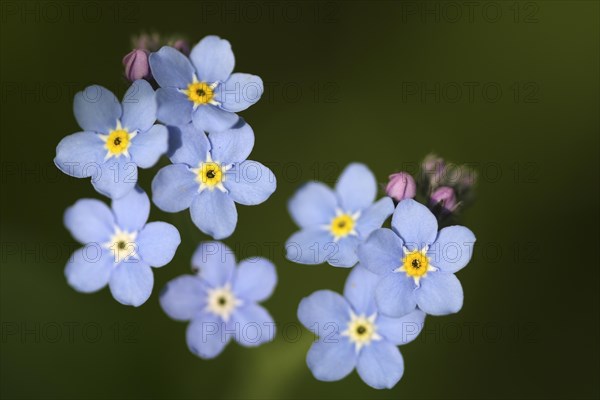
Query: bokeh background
(510, 87)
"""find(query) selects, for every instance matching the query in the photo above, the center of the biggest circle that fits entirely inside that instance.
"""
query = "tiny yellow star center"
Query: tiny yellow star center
(209, 174)
(342, 225)
(200, 93)
(415, 263)
(117, 142)
(361, 330)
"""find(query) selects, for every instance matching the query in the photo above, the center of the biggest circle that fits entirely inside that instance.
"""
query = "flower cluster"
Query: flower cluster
(183, 103)
(399, 275)
(185, 108)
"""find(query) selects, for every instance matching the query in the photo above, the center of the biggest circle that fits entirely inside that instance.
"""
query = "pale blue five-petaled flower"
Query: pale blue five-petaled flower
(334, 222)
(417, 263)
(119, 247)
(221, 300)
(354, 334)
(117, 138)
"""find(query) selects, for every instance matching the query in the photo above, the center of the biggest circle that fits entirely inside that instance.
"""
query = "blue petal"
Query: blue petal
(232, 145)
(253, 325)
(90, 221)
(325, 313)
(207, 336)
(356, 187)
(382, 252)
(131, 282)
(214, 213)
(255, 279)
(89, 268)
(360, 290)
(250, 183)
(215, 263)
(331, 360)
(310, 246)
(380, 365)
(415, 224)
(374, 216)
(80, 154)
(213, 59)
(183, 297)
(188, 145)
(147, 147)
(395, 295)
(212, 119)
(132, 210)
(157, 243)
(401, 330)
(139, 107)
(174, 187)
(239, 92)
(174, 108)
(170, 68)
(96, 109)
(440, 293)
(117, 177)
(313, 204)
(452, 249)
(345, 254)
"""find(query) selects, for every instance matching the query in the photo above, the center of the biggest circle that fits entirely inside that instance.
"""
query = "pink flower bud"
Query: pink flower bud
(136, 65)
(183, 46)
(434, 168)
(445, 197)
(401, 186)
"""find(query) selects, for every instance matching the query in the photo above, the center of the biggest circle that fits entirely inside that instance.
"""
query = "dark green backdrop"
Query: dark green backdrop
(510, 87)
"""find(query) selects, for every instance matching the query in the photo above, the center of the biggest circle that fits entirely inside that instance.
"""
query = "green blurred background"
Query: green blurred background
(510, 87)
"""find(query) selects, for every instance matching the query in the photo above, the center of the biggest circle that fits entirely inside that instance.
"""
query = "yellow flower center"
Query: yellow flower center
(209, 174)
(342, 225)
(117, 142)
(361, 330)
(200, 93)
(415, 263)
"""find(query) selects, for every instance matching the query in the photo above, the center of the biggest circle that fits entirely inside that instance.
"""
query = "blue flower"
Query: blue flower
(209, 175)
(204, 90)
(416, 263)
(352, 334)
(334, 223)
(119, 247)
(116, 138)
(221, 300)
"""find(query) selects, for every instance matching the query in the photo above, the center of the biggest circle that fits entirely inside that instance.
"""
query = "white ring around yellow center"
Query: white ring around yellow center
(118, 141)
(201, 93)
(416, 264)
(361, 330)
(342, 225)
(210, 174)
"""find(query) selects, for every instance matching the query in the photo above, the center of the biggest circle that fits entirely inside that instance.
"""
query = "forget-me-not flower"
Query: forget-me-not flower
(221, 300)
(333, 223)
(352, 334)
(417, 263)
(209, 175)
(202, 88)
(117, 138)
(120, 247)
